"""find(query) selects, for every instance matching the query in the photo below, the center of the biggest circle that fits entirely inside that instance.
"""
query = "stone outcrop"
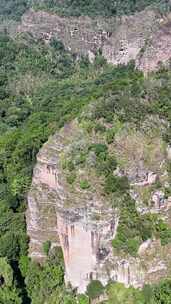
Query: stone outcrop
(144, 37)
(83, 224)
(41, 213)
(80, 35)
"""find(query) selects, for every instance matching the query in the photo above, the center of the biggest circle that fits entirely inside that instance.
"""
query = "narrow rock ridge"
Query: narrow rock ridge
(84, 226)
(144, 37)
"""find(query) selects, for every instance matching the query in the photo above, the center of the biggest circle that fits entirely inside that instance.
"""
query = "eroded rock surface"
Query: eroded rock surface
(144, 37)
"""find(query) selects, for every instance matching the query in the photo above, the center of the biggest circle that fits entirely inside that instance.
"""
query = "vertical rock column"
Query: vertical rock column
(80, 257)
(85, 240)
(41, 213)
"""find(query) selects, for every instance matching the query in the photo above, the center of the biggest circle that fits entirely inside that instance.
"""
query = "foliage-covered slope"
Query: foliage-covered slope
(12, 9)
(96, 7)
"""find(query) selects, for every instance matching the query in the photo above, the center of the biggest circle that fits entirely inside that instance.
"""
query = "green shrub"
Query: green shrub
(133, 245)
(46, 247)
(83, 299)
(119, 294)
(161, 292)
(95, 289)
(9, 245)
(117, 243)
(99, 61)
(99, 128)
(110, 135)
(88, 125)
(163, 231)
(71, 178)
(106, 166)
(167, 192)
(24, 265)
(128, 245)
(57, 45)
(165, 236)
(98, 148)
(70, 165)
(102, 156)
(111, 163)
(55, 256)
(167, 135)
(80, 159)
(84, 184)
(116, 184)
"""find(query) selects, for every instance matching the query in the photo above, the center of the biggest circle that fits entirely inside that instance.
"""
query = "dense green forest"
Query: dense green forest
(41, 88)
(101, 8)
(13, 9)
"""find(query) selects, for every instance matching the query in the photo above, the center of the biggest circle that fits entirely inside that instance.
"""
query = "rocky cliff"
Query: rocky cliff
(67, 219)
(83, 222)
(144, 37)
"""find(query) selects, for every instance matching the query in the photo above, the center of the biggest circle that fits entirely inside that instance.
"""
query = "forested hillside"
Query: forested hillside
(99, 8)
(14, 9)
(42, 87)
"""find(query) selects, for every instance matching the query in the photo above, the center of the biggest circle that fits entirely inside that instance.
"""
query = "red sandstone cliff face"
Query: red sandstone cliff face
(55, 214)
(144, 37)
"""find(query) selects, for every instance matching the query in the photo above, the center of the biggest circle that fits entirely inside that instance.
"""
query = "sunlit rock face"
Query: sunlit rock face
(79, 246)
(82, 253)
(144, 37)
